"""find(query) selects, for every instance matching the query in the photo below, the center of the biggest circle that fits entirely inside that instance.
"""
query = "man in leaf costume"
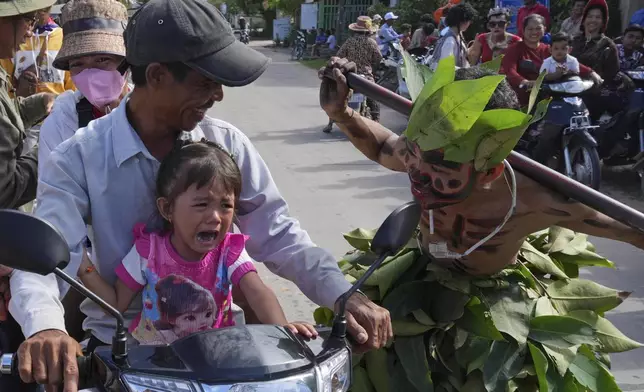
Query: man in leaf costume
(487, 297)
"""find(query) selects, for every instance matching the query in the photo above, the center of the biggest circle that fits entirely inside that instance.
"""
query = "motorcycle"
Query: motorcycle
(244, 37)
(386, 74)
(568, 117)
(233, 359)
(631, 146)
(299, 46)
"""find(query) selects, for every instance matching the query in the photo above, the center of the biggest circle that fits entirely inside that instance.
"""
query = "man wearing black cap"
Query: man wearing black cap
(181, 53)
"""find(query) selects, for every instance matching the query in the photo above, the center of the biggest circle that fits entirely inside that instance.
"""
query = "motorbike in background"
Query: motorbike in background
(244, 36)
(299, 46)
(386, 75)
(629, 149)
(566, 124)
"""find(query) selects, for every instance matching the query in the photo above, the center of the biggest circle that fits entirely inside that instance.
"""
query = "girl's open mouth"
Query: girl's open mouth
(207, 236)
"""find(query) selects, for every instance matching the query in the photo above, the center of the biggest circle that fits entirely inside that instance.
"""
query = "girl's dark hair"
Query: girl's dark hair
(634, 28)
(405, 27)
(426, 18)
(532, 17)
(460, 13)
(198, 163)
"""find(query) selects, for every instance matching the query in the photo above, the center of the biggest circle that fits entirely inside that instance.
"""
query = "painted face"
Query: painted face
(191, 322)
(201, 218)
(436, 182)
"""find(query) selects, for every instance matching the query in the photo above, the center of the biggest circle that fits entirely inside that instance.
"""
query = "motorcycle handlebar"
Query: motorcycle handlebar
(9, 365)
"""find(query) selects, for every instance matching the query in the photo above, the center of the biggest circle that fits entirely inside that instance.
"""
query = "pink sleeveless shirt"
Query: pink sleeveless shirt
(181, 297)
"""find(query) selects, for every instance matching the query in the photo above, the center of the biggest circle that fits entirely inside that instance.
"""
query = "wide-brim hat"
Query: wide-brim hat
(596, 4)
(363, 24)
(91, 27)
(21, 7)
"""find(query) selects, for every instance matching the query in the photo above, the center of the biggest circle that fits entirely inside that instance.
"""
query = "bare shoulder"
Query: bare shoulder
(547, 202)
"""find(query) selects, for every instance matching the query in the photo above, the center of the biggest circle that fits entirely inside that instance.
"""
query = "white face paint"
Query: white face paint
(441, 248)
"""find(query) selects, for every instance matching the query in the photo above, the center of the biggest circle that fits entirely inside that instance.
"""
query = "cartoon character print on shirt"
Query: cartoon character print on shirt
(224, 292)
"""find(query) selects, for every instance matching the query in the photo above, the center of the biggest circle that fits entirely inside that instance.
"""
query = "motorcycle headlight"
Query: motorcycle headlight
(332, 375)
(145, 383)
(335, 373)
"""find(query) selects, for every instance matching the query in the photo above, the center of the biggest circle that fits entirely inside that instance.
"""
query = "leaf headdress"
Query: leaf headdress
(451, 115)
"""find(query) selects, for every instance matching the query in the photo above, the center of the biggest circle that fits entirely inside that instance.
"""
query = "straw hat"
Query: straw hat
(91, 27)
(363, 24)
(21, 7)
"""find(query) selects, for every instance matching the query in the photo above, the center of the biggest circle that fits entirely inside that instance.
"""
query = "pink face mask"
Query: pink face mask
(100, 87)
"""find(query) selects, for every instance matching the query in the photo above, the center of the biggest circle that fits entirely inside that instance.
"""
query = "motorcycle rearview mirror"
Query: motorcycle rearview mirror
(29, 243)
(394, 233)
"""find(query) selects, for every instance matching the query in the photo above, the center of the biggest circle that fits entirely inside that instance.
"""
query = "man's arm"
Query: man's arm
(18, 173)
(63, 202)
(372, 139)
(276, 238)
(581, 218)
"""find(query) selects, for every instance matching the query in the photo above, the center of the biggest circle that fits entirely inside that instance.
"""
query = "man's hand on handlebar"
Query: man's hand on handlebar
(596, 78)
(5, 292)
(49, 357)
(334, 91)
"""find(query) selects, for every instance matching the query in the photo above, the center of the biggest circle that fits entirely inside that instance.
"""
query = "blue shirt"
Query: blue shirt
(638, 17)
(104, 176)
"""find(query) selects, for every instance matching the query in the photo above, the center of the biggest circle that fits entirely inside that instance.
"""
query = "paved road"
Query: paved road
(331, 188)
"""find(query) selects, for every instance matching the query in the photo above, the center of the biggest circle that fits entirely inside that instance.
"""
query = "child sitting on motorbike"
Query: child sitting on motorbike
(186, 270)
(560, 63)
(630, 50)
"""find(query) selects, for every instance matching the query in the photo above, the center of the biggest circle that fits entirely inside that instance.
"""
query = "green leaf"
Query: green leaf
(541, 111)
(494, 64)
(592, 375)
(511, 310)
(474, 383)
(444, 75)
(473, 354)
(451, 112)
(423, 318)
(559, 238)
(541, 261)
(411, 352)
(323, 316)
(544, 308)
(398, 379)
(360, 238)
(409, 327)
(504, 362)
(611, 340)
(491, 121)
(560, 331)
(478, 320)
(535, 91)
(406, 298)
(356, 256)
(386, 275)
(541, 366)
(585, 258)
(376, 363)
(562, 357)
(416, 75)
(497, 146)
(581, 294)
(360, 381)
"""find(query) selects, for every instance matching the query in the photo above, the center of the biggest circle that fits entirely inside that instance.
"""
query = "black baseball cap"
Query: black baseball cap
(195, 33)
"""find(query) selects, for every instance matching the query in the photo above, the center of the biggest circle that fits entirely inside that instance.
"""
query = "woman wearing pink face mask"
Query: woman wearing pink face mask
(93, 50)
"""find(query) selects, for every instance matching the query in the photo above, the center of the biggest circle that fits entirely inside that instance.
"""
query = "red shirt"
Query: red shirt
(486, 52)
(519, 52)
(524, 11)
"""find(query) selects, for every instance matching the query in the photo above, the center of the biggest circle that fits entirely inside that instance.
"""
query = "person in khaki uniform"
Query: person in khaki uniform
(18, 168)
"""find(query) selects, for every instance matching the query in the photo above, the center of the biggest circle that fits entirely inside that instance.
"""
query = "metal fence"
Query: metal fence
(328, 12)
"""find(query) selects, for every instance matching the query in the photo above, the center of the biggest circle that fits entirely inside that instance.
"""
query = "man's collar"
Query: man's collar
(125, 141)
